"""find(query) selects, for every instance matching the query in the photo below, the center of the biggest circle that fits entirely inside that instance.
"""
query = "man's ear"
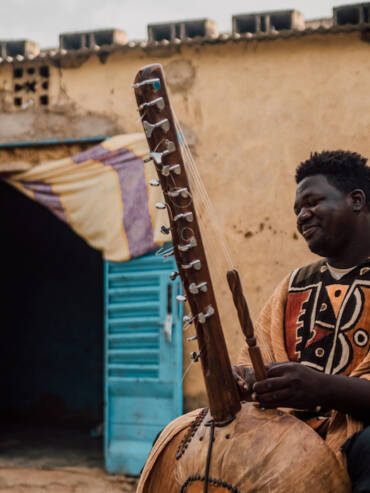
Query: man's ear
(358, 199)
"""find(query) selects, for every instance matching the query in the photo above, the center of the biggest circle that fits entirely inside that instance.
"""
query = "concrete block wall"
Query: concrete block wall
(182, 30)
(30, 85)
(90, 39)
(352, 14)
(264, 22)
(21, 47)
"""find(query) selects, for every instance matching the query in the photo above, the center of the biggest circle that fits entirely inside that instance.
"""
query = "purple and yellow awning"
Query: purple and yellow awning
(103, 194)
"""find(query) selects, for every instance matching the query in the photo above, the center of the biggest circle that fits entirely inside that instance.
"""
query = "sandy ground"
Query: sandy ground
(53, 460)
(63, 480)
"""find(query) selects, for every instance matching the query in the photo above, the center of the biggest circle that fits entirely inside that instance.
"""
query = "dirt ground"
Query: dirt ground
(54, 460)
(63, 480)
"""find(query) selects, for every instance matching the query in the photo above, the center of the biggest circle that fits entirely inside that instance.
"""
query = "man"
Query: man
(317, 323)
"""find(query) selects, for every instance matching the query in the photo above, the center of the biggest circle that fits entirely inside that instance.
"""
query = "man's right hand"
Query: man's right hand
(245, 379)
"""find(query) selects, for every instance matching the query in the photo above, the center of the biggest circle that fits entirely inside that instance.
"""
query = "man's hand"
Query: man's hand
(245, 379)
(289, 384)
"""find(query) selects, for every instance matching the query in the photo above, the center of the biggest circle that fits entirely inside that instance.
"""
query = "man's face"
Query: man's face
(325, 216)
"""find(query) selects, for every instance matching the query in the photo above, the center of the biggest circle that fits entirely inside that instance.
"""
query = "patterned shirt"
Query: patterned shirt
(327, 320)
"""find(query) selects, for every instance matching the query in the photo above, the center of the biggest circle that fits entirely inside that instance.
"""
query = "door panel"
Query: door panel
(143, 358)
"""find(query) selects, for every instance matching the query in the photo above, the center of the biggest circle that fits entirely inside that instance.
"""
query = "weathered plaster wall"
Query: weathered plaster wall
(252, 112)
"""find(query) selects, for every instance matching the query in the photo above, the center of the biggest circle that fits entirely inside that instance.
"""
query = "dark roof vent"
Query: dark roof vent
(22, 47)
(351, 14)
(74, 41)
(182, 29)
(264, 22)
(280, 22)
(246, 24)
(90, 39)
(367, 13)
(194, 29)
(159, 32)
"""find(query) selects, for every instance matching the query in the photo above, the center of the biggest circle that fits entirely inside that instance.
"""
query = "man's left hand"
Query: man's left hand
(289, 384)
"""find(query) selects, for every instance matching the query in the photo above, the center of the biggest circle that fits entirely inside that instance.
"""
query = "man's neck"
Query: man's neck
(357, 251)
(348, 261)
(351, 257)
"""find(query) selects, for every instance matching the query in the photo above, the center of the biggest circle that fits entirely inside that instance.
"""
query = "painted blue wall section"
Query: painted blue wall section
(143, 358)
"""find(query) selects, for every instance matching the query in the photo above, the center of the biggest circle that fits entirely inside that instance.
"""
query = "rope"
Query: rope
(209, 455)
(212, 481)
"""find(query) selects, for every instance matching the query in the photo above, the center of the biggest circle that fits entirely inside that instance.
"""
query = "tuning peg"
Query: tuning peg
(167, 169)
(195, 288)
(187, 321)
(158, 102)
(193, 338)
(173, 275)
(188, 216)
(160, 205)
(169, 253)
(202, 317)
(150, 127)
(181, 298)
(162, 252)
(154, 183)
(154, 82)
(195, 264)
(183, 192)
(165, 230)
(186, 246)
(176, 169)
(194, 356)
(158, 156)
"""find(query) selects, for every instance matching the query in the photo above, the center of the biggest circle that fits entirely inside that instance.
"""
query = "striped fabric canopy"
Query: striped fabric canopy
(103, 194)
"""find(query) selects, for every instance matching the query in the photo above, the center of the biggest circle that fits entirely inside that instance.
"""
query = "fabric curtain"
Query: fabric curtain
(103, 194)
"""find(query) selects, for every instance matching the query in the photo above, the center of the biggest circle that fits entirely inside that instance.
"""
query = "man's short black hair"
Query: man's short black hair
(344, 170)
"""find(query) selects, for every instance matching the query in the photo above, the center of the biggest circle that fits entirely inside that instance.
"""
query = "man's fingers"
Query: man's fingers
(279, 369)
(278, 398)
(270, 385)
(270, 365)
(242, 383)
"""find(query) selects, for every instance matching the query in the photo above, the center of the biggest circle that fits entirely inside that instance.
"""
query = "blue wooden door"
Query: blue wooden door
(143, 358)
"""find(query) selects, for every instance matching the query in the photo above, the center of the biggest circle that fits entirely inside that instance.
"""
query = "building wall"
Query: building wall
(251, 110)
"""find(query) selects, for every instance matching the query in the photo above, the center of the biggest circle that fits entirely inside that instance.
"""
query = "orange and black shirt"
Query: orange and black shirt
(327, 321)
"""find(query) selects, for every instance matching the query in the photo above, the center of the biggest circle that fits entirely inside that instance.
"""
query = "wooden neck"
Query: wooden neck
(158, 123)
